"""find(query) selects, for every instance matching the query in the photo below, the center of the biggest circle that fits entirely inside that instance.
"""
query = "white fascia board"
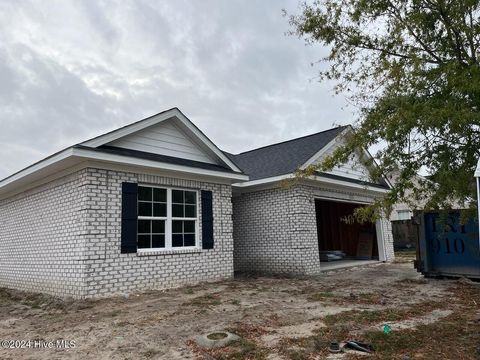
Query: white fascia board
(129, 129)
(94, 155)
(269, 180)
(366, 153)
(185, 121)
(323, 150)
(349, 184)
(477, 170)
(156, 119)
(38, 166)
(316, 179)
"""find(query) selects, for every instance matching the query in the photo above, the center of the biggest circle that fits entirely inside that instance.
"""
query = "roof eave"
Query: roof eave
(71, 157)
(316, 179)
(121, 159)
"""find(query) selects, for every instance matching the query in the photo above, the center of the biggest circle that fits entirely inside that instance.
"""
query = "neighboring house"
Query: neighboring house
(402, 211)
(68, 224)
(149, 206)
(281, 228)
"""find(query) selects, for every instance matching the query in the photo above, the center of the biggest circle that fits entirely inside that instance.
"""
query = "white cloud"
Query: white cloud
(70, 70)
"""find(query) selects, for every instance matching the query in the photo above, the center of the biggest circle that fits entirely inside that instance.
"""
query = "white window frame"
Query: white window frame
(169, 219)
(404, 214)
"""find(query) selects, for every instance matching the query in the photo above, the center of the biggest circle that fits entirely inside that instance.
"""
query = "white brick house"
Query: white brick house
(146, 206)
(149, 206)
(282, 228)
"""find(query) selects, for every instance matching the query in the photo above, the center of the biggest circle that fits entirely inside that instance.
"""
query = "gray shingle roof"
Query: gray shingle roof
(286, 157)
(283, 158)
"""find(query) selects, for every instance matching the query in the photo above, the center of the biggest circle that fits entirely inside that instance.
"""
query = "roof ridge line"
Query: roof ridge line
(286, 141)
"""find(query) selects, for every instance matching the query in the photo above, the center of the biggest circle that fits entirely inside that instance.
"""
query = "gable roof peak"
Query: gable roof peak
(173, 113)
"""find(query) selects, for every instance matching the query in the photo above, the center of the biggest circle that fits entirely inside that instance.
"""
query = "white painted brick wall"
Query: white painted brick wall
(388, 239)
(110, 272)
(41, 238)
(275, 230)
(63, 238)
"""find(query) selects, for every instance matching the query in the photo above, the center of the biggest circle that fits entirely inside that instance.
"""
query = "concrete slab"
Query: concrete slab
(345, 264)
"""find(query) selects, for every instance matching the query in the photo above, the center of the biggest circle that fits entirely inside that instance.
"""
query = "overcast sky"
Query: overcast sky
(70, 70)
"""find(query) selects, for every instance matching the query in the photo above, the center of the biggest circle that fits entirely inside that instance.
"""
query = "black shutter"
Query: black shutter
(129, 218)
(207, 220)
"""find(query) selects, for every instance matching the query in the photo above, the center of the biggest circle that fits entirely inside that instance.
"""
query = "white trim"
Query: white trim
(316, 178)
(477, 170)
(81, 153)
(129, 129)
(169, 220)
(95, 155)
(334, 141)
(378, 224)
(107, 161)
(97, 164)
(348, 184)
(382, 253)
(333, 199)
(36, 167)
(269, 180)
(156, 119)
(323, 150)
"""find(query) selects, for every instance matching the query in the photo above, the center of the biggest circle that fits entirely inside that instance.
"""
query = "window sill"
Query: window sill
(168, 252)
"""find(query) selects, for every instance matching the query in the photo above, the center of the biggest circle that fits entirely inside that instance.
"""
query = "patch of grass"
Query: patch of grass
(205, 301)
(244, 349)
(298, 354)
(238, 350)
(312, 346)
(321, 296)
(368, 317)
(452, 338)
(189, 291)
(370, 298)
(248, 331)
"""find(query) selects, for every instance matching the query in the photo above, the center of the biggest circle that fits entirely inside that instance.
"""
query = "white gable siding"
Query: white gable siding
(353, 169)
(164, 139)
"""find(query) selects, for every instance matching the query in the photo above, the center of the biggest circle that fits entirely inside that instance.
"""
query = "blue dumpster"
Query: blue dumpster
(447, 247)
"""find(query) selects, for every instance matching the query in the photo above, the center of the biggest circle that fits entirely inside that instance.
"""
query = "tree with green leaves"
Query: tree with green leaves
(412, 68)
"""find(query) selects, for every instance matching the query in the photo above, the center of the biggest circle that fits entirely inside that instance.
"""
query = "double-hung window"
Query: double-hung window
(167, 218)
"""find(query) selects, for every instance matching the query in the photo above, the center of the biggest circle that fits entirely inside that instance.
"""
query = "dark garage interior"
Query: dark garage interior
(339, 237)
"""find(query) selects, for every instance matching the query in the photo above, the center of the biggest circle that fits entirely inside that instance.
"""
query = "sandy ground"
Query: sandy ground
(279, 318)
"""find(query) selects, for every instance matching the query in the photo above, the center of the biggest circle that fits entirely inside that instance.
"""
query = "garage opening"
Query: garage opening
(343, 242)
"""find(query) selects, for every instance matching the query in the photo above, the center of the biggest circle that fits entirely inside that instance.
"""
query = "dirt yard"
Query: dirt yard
(277, 318)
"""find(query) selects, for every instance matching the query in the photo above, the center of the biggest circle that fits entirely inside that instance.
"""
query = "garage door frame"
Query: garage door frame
(378, 224)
